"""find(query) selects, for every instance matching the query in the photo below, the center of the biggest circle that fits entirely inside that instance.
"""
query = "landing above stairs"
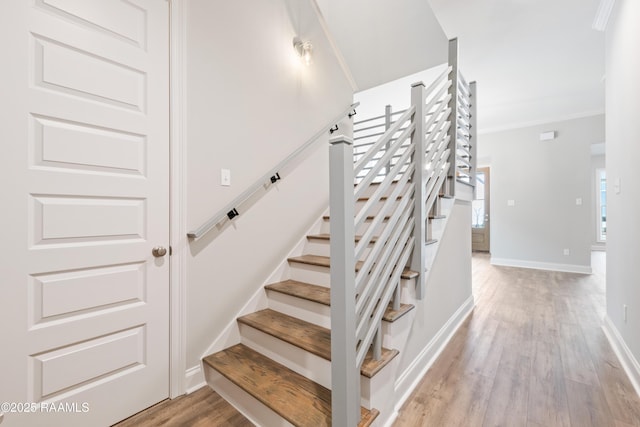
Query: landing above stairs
(274, 385)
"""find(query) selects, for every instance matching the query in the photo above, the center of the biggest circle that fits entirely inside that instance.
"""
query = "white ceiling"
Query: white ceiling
(535, 61)
(383, 40)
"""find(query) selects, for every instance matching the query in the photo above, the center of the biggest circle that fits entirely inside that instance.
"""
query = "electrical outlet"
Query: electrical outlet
(566, 251)
(579, 201)
(225, 177)
(624, 312)
(511, 202)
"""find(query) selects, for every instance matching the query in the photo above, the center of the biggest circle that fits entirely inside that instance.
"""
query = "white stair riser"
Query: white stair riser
(322, 247)
(326, 228)
(316, 275)
(408, 294)
(372, 188)
(246, 404)
(395, 334)
(380, 390)
(437, 225)
(430, 252)
(309, 311)
(314, 367)
(376, 208)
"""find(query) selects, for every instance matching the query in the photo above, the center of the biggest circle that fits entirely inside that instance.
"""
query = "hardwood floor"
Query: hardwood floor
(532, 354)
(202, 408)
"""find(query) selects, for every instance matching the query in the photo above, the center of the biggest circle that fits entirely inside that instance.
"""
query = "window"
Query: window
(478, 215)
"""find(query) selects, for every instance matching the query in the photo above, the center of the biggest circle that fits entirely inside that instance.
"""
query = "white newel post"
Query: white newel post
(453, 130)
(473, 132)
(345, 375)
(418, 263)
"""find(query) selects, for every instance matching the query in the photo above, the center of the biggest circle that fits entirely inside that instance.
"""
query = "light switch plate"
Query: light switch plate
(225, 177)
(511, 202)
(579, 201)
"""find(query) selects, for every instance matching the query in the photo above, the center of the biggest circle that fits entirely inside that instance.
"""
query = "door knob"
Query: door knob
(159, 251)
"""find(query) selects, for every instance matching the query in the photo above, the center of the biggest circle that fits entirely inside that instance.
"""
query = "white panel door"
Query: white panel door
(84, 167)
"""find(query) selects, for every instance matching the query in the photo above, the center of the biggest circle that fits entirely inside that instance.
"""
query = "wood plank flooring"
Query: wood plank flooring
(531, 354)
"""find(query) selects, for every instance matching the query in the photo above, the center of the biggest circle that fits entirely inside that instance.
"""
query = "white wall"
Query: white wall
(396, 93)
(250, 102)
(623, 151)
(448, 286)
(544, 179)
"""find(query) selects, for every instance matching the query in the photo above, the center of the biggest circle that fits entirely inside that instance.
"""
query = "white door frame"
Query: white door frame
(177, 200)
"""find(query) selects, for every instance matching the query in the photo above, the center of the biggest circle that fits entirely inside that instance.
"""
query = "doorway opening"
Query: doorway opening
(480, 212)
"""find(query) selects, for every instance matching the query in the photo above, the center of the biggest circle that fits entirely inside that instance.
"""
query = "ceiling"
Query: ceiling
(534, 61)
(383, 40)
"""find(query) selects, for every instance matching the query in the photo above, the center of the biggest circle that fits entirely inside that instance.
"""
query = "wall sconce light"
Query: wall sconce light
(304, 49)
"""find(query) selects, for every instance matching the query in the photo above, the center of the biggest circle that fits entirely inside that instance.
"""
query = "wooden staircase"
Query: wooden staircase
(280, 372)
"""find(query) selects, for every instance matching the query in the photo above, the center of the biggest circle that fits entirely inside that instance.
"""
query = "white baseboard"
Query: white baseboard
(551, 266)
(412, 376)
(194, 379)
(628, 361)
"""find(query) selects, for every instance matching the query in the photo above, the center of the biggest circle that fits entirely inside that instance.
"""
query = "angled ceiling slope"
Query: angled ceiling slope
(381, 41)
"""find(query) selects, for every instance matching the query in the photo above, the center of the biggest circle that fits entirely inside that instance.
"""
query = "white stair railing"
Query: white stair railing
(463, 125)
(432, 167)
(400, 162)
(466, 119)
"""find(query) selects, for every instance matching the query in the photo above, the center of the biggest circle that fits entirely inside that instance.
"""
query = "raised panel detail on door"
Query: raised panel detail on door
(75, 72)
(56, 219)
(63, 144)
(65, 295)
(66, 368)
(120, 18)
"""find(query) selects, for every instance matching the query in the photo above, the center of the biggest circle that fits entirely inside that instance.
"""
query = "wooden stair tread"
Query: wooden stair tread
(371, 367)
(294, 397)
(327, 237)
(437, 216)
(391, 315)
(307, 336)
(324, 261)
(307, 291)
(322, 295)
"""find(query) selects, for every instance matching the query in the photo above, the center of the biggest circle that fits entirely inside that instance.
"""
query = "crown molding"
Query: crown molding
(544, 121)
